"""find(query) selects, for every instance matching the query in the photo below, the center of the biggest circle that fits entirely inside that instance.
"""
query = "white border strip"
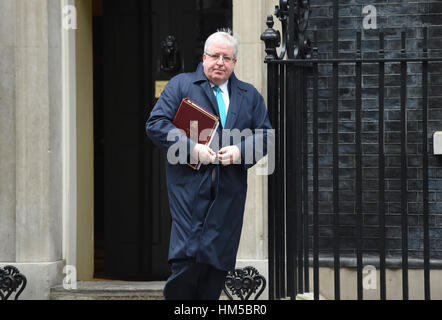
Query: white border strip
(69, 148)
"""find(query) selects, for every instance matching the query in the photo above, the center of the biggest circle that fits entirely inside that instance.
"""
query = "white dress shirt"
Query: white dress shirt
(225, 93)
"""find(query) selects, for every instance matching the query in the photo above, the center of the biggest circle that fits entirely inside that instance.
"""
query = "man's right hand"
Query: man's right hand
(203, 154)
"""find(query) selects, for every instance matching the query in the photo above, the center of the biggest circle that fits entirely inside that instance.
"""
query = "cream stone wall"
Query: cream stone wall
(7, 130)
(247, 27)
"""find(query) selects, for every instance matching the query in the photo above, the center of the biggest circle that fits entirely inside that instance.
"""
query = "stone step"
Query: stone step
(110, 290)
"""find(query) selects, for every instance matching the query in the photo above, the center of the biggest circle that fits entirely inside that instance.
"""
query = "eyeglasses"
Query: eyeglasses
(216, 57)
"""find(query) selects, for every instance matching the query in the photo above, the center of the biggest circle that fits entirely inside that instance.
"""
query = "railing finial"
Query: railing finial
(271, 38)
(299, 13)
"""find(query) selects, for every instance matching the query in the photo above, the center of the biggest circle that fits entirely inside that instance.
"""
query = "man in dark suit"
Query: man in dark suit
(207, 205)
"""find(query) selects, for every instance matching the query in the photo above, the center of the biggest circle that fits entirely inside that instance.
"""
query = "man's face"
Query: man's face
(218, 62)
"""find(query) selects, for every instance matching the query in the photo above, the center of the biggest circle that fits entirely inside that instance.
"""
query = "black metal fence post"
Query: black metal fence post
(425, 167)
(272, 40)
(381, 172)
(315, 173)
(358, 206)
(404, 166)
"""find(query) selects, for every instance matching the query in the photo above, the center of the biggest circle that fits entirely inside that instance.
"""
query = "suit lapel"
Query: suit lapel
(200, 78)
(236, 97)
(211, 96)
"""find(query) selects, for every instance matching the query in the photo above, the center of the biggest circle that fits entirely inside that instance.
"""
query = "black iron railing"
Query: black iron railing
(245, 284)
(11, 281)
(294, 188)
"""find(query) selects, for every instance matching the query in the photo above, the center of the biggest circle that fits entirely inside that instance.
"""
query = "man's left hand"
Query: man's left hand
(229, 155)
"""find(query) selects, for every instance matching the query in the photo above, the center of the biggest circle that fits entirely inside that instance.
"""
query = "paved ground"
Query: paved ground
(111, 290)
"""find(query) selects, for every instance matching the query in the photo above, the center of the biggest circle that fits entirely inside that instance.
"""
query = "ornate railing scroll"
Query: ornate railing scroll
(243, 283)
(293, 40)
(11, 280)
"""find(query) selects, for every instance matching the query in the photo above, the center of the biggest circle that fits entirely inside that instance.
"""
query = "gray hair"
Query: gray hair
(223, 35)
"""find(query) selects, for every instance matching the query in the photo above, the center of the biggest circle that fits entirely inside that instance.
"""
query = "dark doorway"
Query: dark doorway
(132, 218)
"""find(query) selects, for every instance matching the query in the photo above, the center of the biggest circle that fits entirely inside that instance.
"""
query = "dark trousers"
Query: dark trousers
(194, 281)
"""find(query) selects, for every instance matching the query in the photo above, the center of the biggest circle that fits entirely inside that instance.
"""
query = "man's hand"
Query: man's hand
(203, 154)
(229, 155)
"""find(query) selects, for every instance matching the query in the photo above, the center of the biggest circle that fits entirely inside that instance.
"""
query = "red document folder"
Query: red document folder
(191, 116)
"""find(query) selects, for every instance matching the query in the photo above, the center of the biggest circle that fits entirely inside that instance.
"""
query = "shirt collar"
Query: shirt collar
(224, 87)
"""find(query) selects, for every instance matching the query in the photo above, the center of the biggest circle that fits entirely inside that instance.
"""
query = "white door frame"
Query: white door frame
(69, 93)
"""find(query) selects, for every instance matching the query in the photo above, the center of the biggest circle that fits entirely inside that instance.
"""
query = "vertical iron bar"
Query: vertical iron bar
(297, 136)
(315, 176)
(358, 208)
(278, 207)
(279, 222)
(381, 160)
(291, 174)
(335, 152)
(425, 167)
(272, 182)
(298, 181)
(305, 187)
(292, 27)
(404, 201)
(281, 191)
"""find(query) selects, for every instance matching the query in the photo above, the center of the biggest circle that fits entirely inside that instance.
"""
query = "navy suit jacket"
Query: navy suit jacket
(206, 228)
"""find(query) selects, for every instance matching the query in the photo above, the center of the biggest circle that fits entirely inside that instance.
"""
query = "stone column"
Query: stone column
(7, 130)
(31, 127)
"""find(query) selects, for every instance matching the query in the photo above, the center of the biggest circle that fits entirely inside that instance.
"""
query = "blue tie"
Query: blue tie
(221, 105)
